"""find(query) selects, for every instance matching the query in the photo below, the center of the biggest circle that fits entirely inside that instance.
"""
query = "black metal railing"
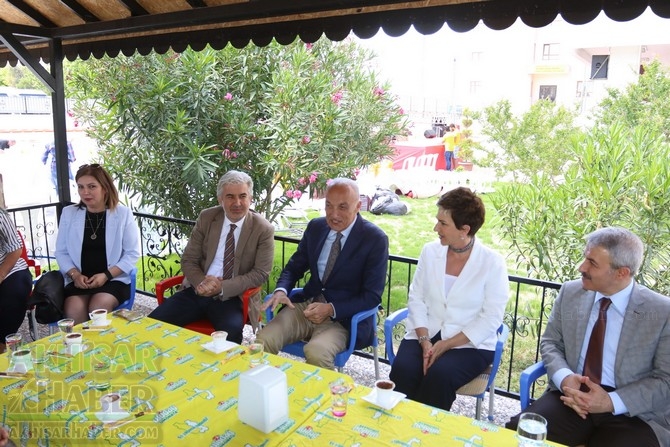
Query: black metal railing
(163, 240)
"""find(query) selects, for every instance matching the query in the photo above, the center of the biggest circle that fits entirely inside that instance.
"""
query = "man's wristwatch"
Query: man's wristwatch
(423, 338)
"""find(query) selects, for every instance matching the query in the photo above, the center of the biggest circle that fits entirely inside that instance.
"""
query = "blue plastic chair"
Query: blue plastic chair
(528, 377)
(127, 304)
(478, 386)
(341, 358)
(130, 302)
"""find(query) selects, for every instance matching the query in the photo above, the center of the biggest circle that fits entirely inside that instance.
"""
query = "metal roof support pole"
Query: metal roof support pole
(53, 81)
(60, 130)
(28, 60)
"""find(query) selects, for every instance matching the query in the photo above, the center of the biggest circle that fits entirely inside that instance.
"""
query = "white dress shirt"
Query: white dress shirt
(216, 267)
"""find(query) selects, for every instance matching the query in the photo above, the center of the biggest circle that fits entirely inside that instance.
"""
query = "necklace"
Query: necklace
(98, 222)
(467, 247)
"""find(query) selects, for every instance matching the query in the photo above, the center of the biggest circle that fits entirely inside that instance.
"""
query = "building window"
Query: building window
(599, 66)
(548, 92)
(551, 51)
(580, 89)
(475, 87)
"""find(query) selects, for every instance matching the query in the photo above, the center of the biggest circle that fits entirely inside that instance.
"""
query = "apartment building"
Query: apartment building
(440, 74)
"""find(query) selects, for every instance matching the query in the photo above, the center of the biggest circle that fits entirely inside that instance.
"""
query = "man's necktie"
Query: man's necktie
(229, 253)
(593, 362)
(332, 257)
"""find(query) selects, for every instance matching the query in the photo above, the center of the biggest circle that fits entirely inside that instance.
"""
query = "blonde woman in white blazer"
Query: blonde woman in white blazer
(97, 246)
(456, 303)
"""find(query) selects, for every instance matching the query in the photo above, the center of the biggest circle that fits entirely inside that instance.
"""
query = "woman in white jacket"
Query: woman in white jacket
(97, 246)
(456, 303)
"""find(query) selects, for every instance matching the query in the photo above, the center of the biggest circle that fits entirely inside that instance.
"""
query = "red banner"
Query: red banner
(416, 154)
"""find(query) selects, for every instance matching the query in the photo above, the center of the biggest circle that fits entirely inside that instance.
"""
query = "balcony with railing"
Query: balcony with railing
(163, 241)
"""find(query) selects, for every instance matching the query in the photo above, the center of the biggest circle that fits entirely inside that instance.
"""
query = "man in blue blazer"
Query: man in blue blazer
(322, 312)
(628, 404)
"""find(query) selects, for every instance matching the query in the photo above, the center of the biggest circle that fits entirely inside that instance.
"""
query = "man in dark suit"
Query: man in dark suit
(322, 312)
(212, 287)
(621, 399)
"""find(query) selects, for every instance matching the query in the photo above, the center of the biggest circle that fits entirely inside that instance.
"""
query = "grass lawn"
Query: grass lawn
(407, 234)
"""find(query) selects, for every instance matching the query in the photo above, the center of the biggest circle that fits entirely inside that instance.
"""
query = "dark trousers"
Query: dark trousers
(14, 293)
(451, 370)
(186, 306)
(597, 430)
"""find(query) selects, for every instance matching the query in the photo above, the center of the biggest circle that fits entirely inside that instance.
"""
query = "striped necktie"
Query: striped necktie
(229, 253)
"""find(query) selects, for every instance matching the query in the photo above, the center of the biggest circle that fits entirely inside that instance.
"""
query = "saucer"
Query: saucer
(68, 349)
(396, 397)
(227, 345)
(20, 370)
(103, 323)
(106, 416)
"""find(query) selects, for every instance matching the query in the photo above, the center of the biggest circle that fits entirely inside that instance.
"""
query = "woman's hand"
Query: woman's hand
(427, 347)
(80, 281)
(96, 280)
(439, 348)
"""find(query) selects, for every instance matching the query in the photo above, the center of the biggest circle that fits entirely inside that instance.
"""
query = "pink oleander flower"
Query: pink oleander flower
(289, 193)
(297, 194)
(306, 139)
(356, 172)
(226, 153)
(302, 181)
(378, 91)
(228, 97)
(401, 111)
(233, 155)
(312, 178)
(337, 97)
(309, 46)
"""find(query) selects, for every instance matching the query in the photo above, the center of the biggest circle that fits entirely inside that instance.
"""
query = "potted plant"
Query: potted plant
(465, 146)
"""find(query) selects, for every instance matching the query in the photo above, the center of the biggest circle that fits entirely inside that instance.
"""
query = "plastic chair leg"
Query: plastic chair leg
(492, 395)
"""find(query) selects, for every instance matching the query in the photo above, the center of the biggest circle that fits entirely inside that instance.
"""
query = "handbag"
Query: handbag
(48, 297)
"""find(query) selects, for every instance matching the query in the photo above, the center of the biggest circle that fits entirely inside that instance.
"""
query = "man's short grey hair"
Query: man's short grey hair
(344, 181)
(234, 178)
(624, 247)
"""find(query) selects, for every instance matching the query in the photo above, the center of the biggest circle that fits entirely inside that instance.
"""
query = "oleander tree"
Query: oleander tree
(523, 145)
(619, 177)
(168, 126)
(644, 102)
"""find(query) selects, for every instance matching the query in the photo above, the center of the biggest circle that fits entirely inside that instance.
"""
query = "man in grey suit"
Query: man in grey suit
(212, 287)
(628, 404)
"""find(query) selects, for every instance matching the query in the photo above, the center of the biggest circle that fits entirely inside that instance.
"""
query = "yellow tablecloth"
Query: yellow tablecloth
(187, 393)
(408, 424)
(175, 392)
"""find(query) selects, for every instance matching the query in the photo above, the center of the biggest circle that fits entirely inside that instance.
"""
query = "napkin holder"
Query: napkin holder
(263, 398)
